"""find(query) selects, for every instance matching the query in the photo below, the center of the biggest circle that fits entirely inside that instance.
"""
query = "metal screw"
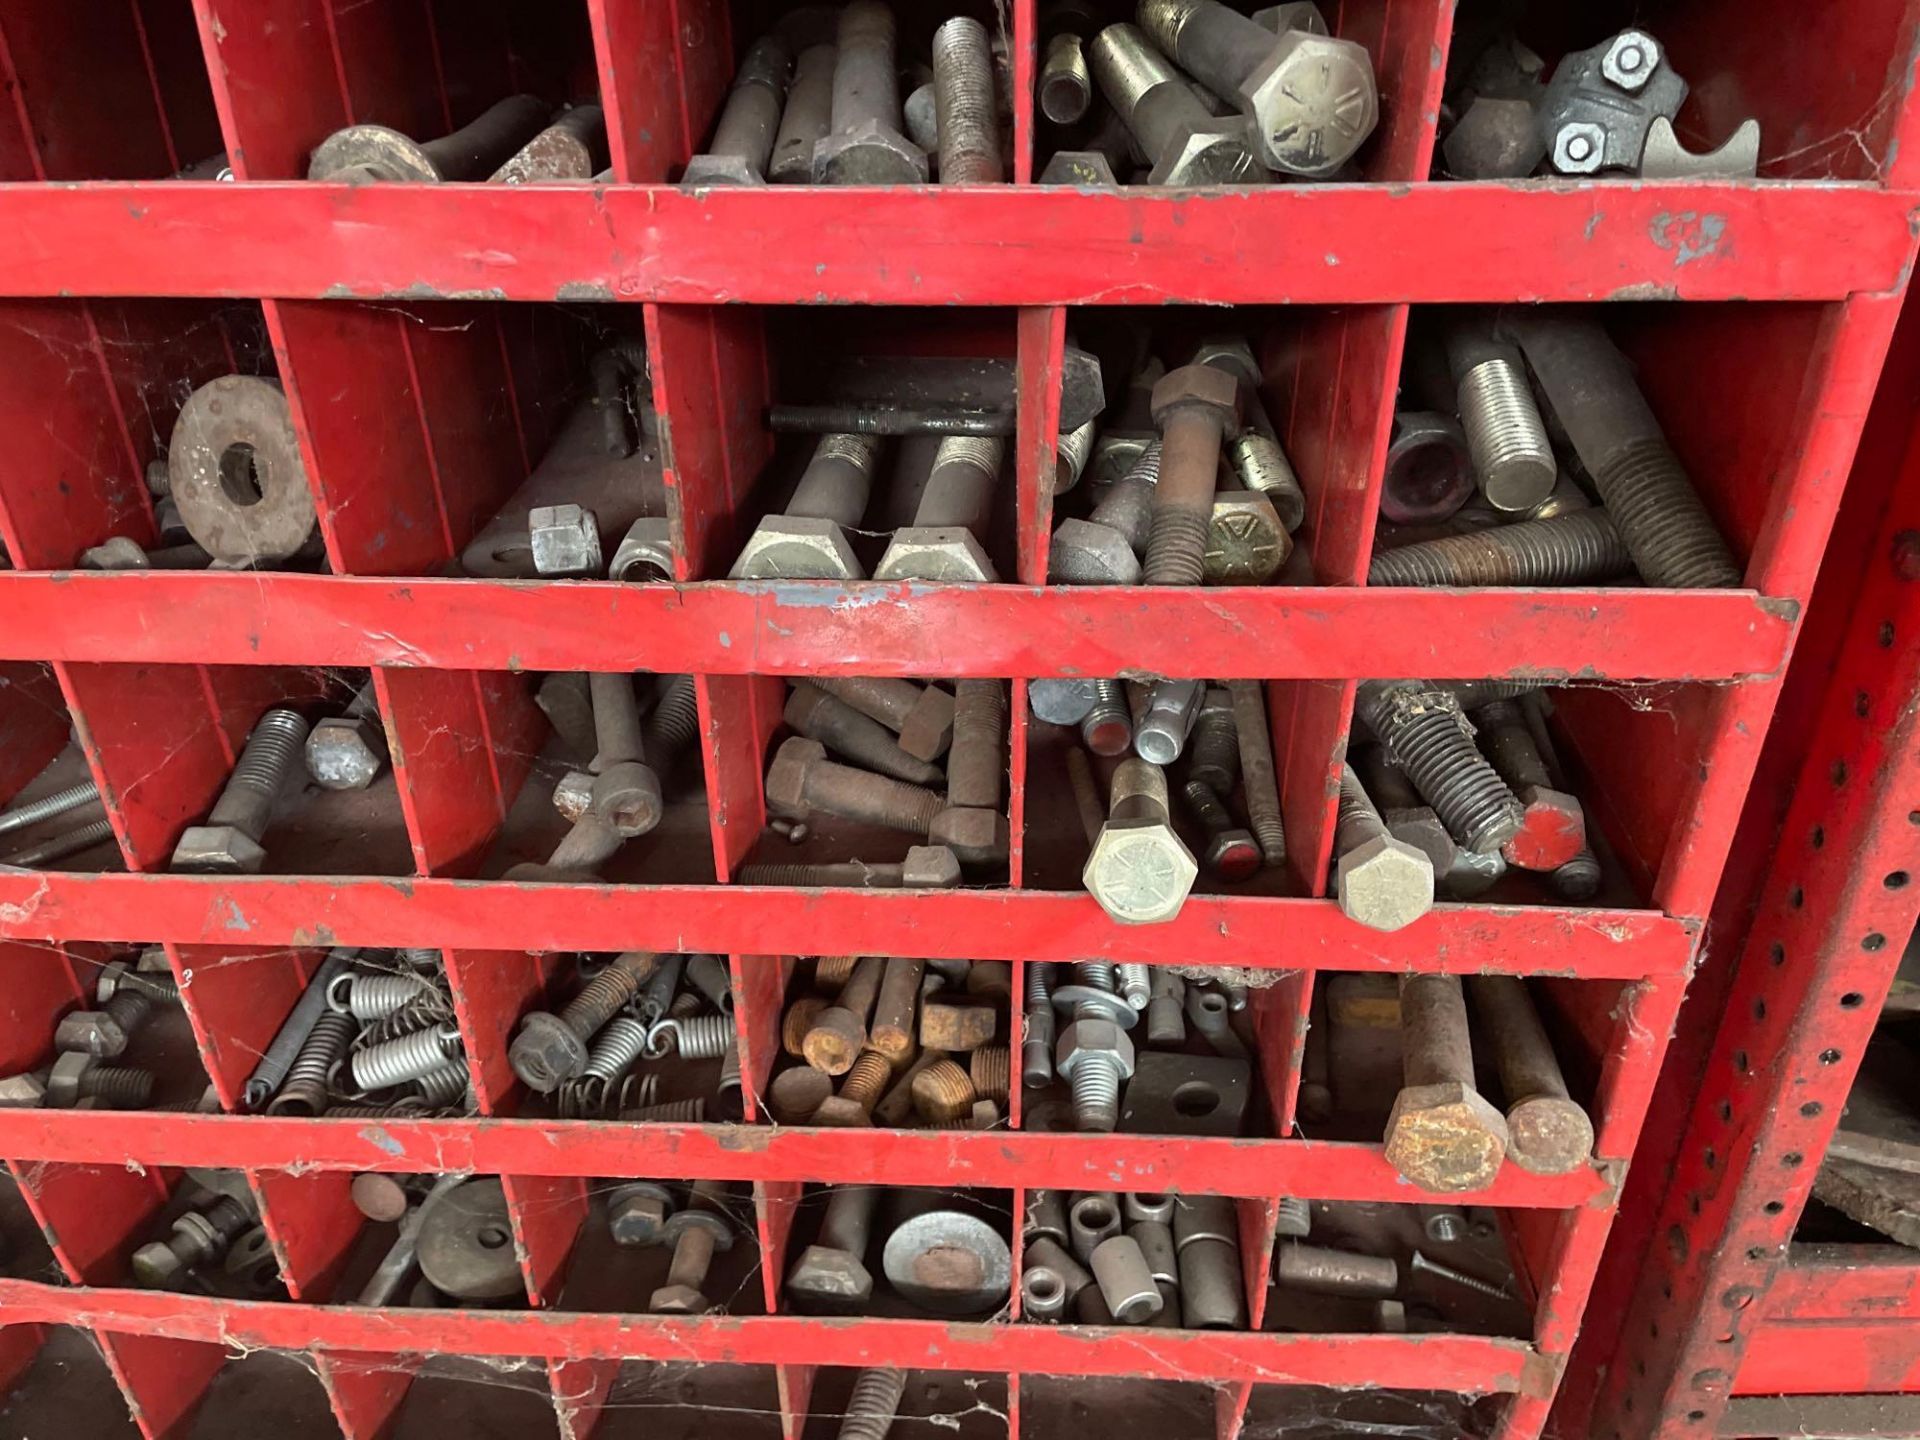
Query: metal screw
(1548, 1133)
(565, 150)
(362, 153)
(69, 842)
(1668, 531)
(696, 1233)
(1108, 726)
(1186, 142)
(1442, 1134)
(1260, 784)
(1421, 1265)
(943, 542)
(229, 841)
(1134, 982)
(106, 1032)
(874, 1403)
(1381, 881)
(1105, 548)
(866, 146)
(45, 808)
(968, 113)
(1423, 732)
(807, 118)
(1232, 852)
(803, 781)
(808, 540)
(1160, 733)
(743, 140)
(1196, 408)
(550, 1049)
(1575, 548)
(626, 791)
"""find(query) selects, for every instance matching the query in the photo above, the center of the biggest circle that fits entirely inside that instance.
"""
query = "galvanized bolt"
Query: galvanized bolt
(1094, 1054)
(626, 791)
(1578, 547)
(969, 122)
(20, 817)
(866, 146)
(1669, 533)
(1196, 408)
(808, 540)
(1188, 144)
(802, 781)
(348, 751)
(1066, 87)
(1381, 881)
(551, 1049)
(1554, 828)
(1260, 785)
(1442, 1134)
(1107, 727)
(874, 1403)
(1421, 1265)
(943, 543)
(807, 119)
(695, 1233)
(568, 149)
(743, 140)
(362, 153)
(1422, 730)
(1255, 455)
(229, 842)
(1232, 852)
(1160, 733)
(846, 732)
(1547, 1132)
(1512, 457)
(1140, 870)
(1309, 99)
(921, 715)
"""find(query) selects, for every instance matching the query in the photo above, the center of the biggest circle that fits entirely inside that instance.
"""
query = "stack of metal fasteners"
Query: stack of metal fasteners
(1133, 1259)
(214, 1244)
(617, 1050)
(1198, 93)
(939, 1252)
(1607, 110)
(46, 843)
(520, 140)
(91, 1068)
(1490, 499)
(693, 1223)
(890, 1042)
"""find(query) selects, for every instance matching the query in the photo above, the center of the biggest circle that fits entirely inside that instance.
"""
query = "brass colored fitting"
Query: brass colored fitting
(943, 1091)
(991, 1069)
(798, 1021)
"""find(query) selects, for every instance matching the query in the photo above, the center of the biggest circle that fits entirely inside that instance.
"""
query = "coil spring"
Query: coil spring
(374, 997)
(699, 1037)
(594, 1099)
(422, 1013)
(443, 1087)
(394, 1062)
(418, 957)
(305, 1091)
(685, 1004)
(680, 1112)
(615, 1050)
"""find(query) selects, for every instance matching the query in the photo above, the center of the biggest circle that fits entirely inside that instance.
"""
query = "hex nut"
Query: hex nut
(64, 1080)
(91, 1032)
(217, 850)
(118, 553)
(936, 552)
(1384, 883)
(930, 867)
(1445, 1137)
(1497, 139)
(795, 547)
(1246, 543)
(1082, 169)
(566, 541)
(1140, 871)
(22, 1092)
(1579, 148)
(1083, 553)
(1210, 152)
(1632, 57)
(829, 1278)
(1093, 1037)
(346, 752)
(1314, 103)
(545, 1054)
(977, 836)
(787, 777)
(869, 154)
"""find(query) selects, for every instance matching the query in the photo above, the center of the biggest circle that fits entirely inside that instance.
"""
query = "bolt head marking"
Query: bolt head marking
(1140, 873)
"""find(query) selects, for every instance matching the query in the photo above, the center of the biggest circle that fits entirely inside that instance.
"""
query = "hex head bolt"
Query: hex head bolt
(550, 1050)
(964, 100)
(229, 842)
(921, 715)
(1260, 784)
(1554, 829)
(972, 824)
(943, 543)
(696, 1234)
(1255, 456)
(1187, 143)
(807, 118)
(894, 1009)
(626, 792)
(104, 1033)
(1442, 1134)
(846, 732)
(1094, 1054)
(1206, 1237)
(78, 1078)
(839, 1033)
(348, 751)
(832, 1271)
(1232, 853)
(1140, 870)
(1577, 547)
(803, 782)
(1196, 407)
(808, 540)
(1309, 99)
(1512, 458)
(568, 149)
(1323, 1271)
(1105, 548)
(865, 146)
(1107, 727)
(362, 153)
(1547, 1133)
(671, 726)
(873, 1404)
(117, 977)
(20, 817)
(1590, 384)
(1423, 732)
(1213, 750)
(1382, 882)
(1160, 730)
(199, 1238)
(743, 141)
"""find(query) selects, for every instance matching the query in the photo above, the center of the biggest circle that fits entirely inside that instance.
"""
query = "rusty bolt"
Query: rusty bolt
(1196, 407)
(1547, 1133)
(921, 715)
(1442, 1134)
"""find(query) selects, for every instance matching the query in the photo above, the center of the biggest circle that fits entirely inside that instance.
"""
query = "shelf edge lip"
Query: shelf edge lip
(1265, 933)
(1006, 1348)
(1622, 635)
(987, 245)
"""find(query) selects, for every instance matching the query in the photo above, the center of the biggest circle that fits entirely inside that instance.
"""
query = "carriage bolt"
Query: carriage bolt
(1166, 1009)
(1322, 1271)
(807, 118)
(943, 543)
(860, 739)
(550, 1050)
(832, 1272)
(802, 781)
(1554, 828)
(1442, 1134)
(695, 1233)
(77, 1077)
(60, 802)
(229, 842)
(1186, 142)
(1547, 1133)
(839, 1032)
(362, 153)
(1309, 99)
(565, 150)
(1255, 455)
(1423, 732)
(1381, 881)
(1206, 1234)
(921, 715)
(1512, 457)
(865, 146)
(1577, 547)
(626, 792)
(743, 140)
(1196, 408)
(1140, 870)
(1126, 1282)
(969, 122)
(1107, 728)
(1429, 473)
(1260, 785)
(873, 1404)
(199, 1238)
(1066, 87)
(927, 867)
(1421, 1265)
(1160, 733)
(808, 540)
(1214, 746)
(348, 751)
(1590, 384)
(1232, 853)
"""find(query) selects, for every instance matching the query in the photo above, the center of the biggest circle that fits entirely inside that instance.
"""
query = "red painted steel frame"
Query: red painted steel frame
(419, 415)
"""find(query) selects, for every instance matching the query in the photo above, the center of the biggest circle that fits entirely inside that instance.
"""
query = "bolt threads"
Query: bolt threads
(702, 1037)
(58, 803)
(159, 984)
(1214, 748)
(604, 997)
(117, 1087)
(1096, 974)
(1428, 739)
(1674, 542)
(1579, 878)
(979, 729)
(1509, 745)
(856, 875)
(69, 842)
(831, 972)
(305, 1090)
(277, 744)
(943, 1091)
(861, 795)
(1295, 1218)
(1357, 821)
(1505, 435)
(1135, 983)
(991, 1070)
(1569, 549)
(1261, 787)
(963, 94)
(1145, 469)
(395, 1062)
(867, 1081)
(129, 1009)
(1139, 791)
(1207, 808)
(875, 1401)
(1177, 545)
(1039, 985)
(1263, 468)
(1096, 1092)
(672, 725)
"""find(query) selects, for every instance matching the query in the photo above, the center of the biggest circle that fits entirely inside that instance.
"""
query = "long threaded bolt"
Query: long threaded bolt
(551, 1049)
(1036, 1045)
(672, 725)
(1421, 1265)
(1133, 979)
(874, 1403)
(1512, 457)
(1095, 1076)
(58, 803)
(1547, 1132)
(854, 874)
(76, 1078)
(1260, 784)
(1214, 747)
(1066, 87)
(964, 96)
(806, 120)
(845, 731)
(959, 491)
(866, 146)
(1576, 548)
(271, 754)
(803, 781)
(69, 842)
(1672, 538)
(1579, 878)
(743, 140)
(1108, 726)
(626, 791)
(1186, 142)
(979, 743)
(1423, 732)
(361, 153)
(1196, 408)
(1442, 1134)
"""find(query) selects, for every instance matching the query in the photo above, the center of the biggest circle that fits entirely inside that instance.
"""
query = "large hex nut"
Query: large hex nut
(1313, 101)
(346, 752)
(930, 867)
(869, 154)
(1445, 1137)
(1632, 57)
(1093, 1037)
(1210, 152)
(1384, 883)
(217, 850)
(828, 1279)
(1083, 553)
(787, 776)
(793, 547)
(1140, 871)
(23, 1092)
(935, 552)
(566, 542)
